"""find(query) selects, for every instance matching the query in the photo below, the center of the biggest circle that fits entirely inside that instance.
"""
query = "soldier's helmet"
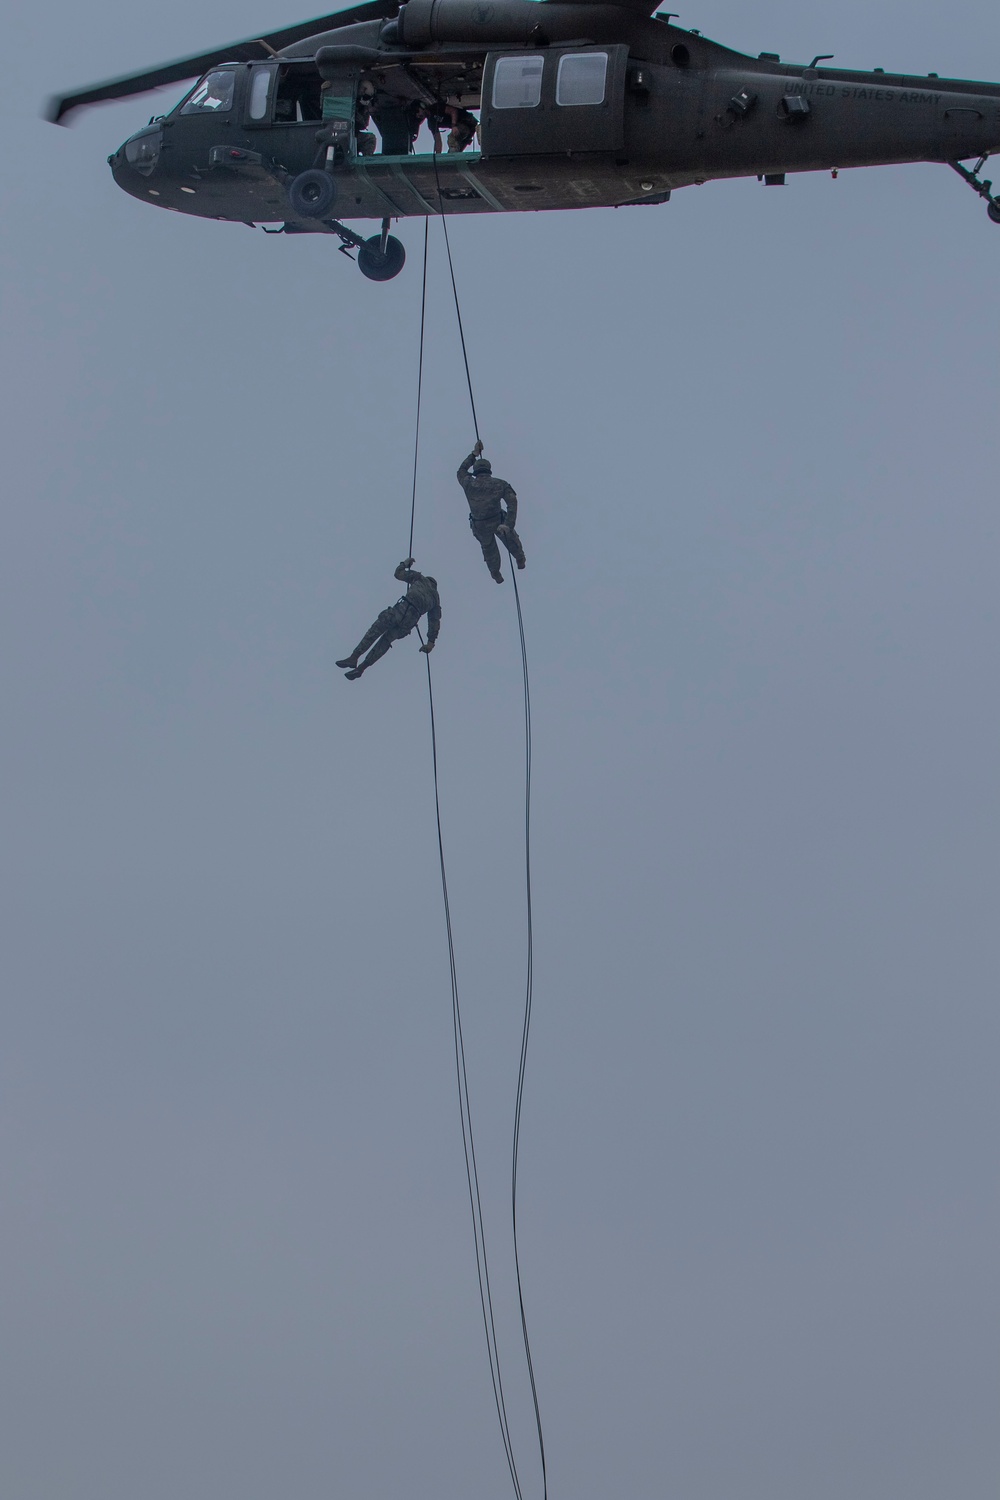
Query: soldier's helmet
(481, 467)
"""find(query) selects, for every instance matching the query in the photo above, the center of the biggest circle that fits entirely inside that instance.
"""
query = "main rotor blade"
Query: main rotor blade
(640, 7)
(192, 67)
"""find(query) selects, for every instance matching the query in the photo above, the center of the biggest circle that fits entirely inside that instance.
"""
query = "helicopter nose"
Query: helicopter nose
(124, 176)
(138, 158)
(120, 172)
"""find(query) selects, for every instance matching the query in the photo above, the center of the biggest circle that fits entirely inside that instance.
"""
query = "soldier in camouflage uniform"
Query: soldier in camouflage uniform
(364, 137)
(486, 515)
(421, 598)
(463, 128)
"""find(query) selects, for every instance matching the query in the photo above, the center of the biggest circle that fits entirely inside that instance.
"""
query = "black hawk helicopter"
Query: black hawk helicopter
(581, 104)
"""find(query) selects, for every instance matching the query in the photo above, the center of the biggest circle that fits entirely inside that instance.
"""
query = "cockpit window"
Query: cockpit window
(517, 82)
(213, 96)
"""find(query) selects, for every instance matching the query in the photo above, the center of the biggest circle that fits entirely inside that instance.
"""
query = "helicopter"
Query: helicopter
(553, 104)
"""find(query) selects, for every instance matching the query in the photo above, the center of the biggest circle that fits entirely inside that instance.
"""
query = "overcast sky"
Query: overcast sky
(754, 437)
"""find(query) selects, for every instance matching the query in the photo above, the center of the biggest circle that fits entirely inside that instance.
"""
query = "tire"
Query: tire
(376, 266)
(993, 209)
(312, 194)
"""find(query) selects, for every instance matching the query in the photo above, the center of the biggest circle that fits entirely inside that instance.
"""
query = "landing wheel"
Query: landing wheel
(379, 265)
(312, 194)
(993, 209)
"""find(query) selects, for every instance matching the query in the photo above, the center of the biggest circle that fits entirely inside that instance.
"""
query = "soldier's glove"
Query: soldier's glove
(428, 648)
(503, 529)
(407, 562)
(477, 450)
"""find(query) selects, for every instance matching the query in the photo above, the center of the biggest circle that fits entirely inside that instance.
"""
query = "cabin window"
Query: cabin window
(299, 95)
(260, 88)
(581, 78)
(213, 96)
(517, 82)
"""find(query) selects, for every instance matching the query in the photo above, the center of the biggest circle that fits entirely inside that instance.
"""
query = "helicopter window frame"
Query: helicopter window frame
(298, 83)
(258, 106)
(195, 105)
(516, 80)
(574, 92)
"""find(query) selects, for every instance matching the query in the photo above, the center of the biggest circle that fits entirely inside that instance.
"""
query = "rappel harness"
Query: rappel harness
(468, 1141)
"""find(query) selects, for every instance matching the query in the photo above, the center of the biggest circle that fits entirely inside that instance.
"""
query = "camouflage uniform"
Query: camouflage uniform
(463, 129)
(486, 515)
(396, 622)
(364, 137)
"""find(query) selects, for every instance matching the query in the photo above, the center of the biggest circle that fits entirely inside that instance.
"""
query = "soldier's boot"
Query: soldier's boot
(375, 654)
(368, 639)
(512, 542)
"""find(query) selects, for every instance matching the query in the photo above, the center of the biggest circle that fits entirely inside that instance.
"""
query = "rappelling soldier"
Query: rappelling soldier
(421, 598)
(487, 498)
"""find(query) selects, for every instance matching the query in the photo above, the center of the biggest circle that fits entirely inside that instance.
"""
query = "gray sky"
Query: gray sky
(753, 433)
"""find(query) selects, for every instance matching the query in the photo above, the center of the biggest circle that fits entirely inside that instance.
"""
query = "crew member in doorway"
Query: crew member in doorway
(463, 128)
(396, 622)
(399, 123)
(363, 118)
(487, 498)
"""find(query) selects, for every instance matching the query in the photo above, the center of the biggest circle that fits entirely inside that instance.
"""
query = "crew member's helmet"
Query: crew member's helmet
(481, 467)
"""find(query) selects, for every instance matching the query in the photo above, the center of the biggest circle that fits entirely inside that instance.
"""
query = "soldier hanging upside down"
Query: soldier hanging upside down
(421, 598)
(486, 497)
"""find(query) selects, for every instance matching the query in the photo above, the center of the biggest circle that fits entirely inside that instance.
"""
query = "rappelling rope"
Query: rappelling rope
(528, 996)
(527, 887)
(468, 1143)
(420, 391)
(468, 1140)
(458, 310)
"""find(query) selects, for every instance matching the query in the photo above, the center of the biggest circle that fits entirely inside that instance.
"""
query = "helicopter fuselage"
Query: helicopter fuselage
(602, 109)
